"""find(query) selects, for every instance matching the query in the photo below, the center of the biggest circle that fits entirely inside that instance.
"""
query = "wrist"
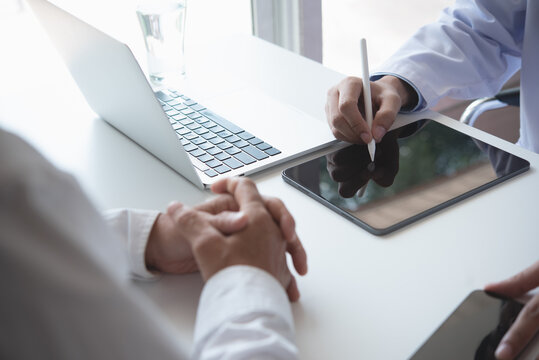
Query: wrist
(407, 94)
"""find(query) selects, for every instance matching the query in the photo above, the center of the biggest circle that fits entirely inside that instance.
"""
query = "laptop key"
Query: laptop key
(189, 102)
(224, 134)
(244, 158)
(211, 173)
(272, 151)
(246, 136)
(213, 151)
(198, 107)
(209, 135)
(190, 136)
(217, 128)
(241, 143)
(209, 124)
(222, 156)
(233, 150)
(224, 145)
(216, 140)
(193, 126)
(233, 163)
(198, 141)
(178, 116)
(222, 121)
(197, 152)
(222, 169)
(206, 146)
(213, 163)
(190, 147)
(202, 131)
(183, 131)
(251, 150)
(263, 146)
(194, 115)
(172, 112)
(205, 158)
(184, 141)
(233, 139)
(186, 121)
(255, 141)
(202, 120)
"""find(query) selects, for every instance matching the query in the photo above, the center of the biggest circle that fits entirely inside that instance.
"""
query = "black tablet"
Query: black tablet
(418, 169)
(473, 330)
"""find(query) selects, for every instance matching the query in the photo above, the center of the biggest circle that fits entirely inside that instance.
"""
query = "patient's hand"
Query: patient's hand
(169, 248)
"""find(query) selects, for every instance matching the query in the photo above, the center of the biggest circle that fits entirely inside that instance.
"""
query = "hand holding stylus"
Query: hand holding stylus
(345, 104)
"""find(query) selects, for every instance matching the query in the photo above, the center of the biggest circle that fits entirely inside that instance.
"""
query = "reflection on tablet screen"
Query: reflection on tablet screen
(418, 169)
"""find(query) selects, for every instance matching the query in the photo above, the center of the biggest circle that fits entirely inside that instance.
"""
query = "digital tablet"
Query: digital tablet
(418, 169)
(473, 330)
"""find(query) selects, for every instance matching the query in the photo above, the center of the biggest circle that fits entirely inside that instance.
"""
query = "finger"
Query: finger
(229, 222)
(388, 108)
(281, 215)
(337, 123)
(224, 202)
(350, 94)
(521, 332)
(299, 257)
(292, 290)
(242, 189)
(518, 284)
(173, 207)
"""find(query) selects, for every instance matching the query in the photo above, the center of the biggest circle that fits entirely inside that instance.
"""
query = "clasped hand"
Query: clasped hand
(238, 227)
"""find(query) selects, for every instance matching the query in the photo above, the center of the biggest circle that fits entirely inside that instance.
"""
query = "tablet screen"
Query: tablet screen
(473, 330)
(418, 169)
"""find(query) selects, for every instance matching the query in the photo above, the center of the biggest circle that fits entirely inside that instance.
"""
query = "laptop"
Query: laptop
(232, 134)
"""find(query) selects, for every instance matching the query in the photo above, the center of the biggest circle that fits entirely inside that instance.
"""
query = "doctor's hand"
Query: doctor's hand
(527, 323)
(345, 114)
(350, 166)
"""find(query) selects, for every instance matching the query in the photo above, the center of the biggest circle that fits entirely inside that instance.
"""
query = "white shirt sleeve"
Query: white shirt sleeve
(245, 313)
(133, 227)
(471, 51)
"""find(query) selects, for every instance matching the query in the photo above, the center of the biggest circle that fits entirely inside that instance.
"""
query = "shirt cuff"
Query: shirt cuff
(134, 227)
(421, 103)
(241, 295)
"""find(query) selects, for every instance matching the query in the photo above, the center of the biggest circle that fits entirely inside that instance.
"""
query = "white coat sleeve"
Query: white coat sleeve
(471, 51)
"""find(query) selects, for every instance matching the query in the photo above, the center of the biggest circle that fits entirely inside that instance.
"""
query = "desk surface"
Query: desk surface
(362, 292)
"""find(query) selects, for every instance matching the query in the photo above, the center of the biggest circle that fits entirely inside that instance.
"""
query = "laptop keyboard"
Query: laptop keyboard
(214, 144)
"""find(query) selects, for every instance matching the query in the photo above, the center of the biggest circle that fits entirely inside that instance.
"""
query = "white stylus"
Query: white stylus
(367, 94)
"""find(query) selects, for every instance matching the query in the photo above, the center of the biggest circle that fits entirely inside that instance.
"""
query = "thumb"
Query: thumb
(229, 222)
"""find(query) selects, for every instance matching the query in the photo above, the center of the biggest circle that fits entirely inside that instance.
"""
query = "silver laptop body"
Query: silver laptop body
(117, 90)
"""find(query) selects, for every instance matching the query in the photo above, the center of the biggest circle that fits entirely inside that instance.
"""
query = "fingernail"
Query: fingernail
(504, 351)
(365, 137)
(379, 133)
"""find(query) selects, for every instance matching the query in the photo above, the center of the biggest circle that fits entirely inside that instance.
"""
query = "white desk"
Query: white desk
(365, 297)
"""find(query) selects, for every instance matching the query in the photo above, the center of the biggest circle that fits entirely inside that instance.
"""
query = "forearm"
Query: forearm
(469, 52)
